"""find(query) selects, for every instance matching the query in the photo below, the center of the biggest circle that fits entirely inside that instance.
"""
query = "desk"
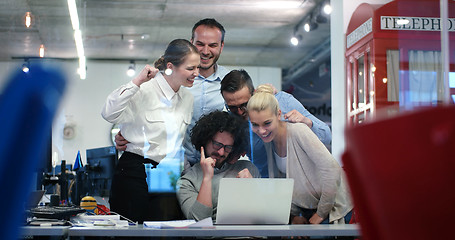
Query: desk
(45, 231)
(223, 231)
(217, 231)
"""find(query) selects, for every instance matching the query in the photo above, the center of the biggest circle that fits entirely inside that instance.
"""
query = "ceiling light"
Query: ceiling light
(41, 51)
(296, 39)
(131, 69)
(310, 26)
(28, 19)
(73, 14)
(26, 67)
(327, 8)
(82, 70)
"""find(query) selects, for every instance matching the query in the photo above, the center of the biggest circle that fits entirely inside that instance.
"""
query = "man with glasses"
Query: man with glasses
(217, 135)
(237, 88)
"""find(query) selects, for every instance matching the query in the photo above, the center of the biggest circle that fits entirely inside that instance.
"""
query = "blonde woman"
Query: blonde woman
(294, 151)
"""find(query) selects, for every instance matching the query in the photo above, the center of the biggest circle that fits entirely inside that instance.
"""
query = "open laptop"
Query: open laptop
(254, 200)
(34, 198)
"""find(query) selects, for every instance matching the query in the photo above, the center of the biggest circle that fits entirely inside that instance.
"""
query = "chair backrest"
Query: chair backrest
(27, 107)
(401, 172)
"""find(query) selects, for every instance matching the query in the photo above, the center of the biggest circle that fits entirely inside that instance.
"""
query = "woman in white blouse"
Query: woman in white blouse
(153, 111)
(294, 151)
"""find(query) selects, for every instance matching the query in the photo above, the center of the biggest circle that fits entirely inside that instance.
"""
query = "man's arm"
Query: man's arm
(197, 204)
(205, 193)
(288, 103)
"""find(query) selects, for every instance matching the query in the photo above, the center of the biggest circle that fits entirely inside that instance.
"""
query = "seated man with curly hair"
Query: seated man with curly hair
(218, 135)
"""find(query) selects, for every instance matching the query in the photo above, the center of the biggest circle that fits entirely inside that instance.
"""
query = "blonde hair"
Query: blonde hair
(263, 99)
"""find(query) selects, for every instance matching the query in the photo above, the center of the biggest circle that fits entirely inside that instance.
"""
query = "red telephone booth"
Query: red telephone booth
(393, 57)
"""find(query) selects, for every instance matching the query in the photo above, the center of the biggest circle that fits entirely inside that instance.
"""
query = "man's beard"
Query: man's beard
(219, 159)
(215, 59)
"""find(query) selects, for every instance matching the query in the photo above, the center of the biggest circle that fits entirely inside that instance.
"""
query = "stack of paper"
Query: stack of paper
(204, 223)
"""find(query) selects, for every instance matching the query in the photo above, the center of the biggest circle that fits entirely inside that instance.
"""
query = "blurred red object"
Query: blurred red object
(102, 210)
(401, 171)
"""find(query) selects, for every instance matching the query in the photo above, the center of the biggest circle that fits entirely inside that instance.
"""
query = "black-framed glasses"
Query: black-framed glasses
(218, 146)
(235, 109)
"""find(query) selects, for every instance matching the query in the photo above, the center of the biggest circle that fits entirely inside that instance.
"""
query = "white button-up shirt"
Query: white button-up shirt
(152, 117)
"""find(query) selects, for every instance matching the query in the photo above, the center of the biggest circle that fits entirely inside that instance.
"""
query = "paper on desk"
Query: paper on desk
(207, 222)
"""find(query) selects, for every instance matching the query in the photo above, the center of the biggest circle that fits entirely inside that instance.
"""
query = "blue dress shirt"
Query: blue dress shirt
(207, 98)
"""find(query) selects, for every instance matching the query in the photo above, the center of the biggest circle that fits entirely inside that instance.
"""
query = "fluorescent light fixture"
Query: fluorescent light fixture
(41, 51)
(28, 19)
(79, 44)
(82, 68)
(78, 38)
(73, 14)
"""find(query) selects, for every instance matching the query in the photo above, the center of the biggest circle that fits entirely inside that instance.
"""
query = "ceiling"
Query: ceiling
(257, 31)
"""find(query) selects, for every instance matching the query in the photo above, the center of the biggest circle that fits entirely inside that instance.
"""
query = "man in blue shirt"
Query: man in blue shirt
(208, 37)
(237, 88)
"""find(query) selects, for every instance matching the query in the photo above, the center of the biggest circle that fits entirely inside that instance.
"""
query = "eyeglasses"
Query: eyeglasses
(218, 146)
(235, 109)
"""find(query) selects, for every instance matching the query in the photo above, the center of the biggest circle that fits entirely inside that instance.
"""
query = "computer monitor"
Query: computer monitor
(100, 170)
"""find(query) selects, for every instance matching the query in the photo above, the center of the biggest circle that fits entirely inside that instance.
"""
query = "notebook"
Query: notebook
(254, 200)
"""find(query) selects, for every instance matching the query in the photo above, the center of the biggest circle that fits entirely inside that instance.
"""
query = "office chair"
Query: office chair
(27, 106)
(401, 172)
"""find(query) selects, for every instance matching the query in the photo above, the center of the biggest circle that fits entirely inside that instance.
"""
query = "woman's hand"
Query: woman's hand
(147, 73)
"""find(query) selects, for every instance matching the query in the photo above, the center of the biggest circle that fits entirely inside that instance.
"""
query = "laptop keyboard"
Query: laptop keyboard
(56, 212)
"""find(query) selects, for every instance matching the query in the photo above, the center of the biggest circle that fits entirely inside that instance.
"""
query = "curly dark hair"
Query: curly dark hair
(218, 121)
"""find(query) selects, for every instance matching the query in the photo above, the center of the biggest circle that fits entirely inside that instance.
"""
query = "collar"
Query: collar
(216, 76)
(165, 87)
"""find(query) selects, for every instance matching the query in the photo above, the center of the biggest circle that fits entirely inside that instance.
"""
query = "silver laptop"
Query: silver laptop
(254, 201)
(34, 198)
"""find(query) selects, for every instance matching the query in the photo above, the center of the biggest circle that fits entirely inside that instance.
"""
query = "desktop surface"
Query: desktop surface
(328, 230)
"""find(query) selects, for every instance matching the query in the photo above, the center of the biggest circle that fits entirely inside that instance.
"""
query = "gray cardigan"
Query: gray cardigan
(190, 184)
(319, 181)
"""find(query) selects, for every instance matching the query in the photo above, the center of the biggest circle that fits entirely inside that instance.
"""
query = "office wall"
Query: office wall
(84, 99)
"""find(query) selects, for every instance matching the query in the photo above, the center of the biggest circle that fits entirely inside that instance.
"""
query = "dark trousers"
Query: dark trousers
(129, 191)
